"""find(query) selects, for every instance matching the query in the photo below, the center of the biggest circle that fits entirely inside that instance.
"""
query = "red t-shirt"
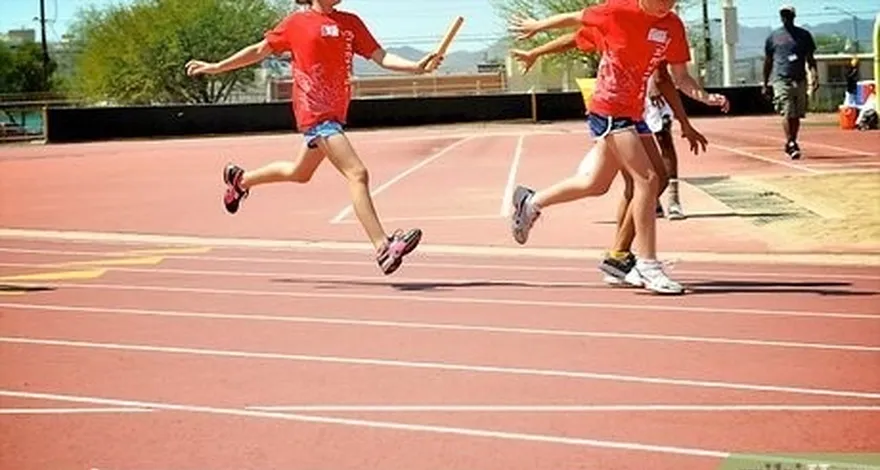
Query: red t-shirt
(633, 45)
(323, 48)
(588, 40)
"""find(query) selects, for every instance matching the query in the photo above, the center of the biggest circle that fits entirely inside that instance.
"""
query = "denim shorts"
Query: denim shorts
(601, 126)
(322, 129)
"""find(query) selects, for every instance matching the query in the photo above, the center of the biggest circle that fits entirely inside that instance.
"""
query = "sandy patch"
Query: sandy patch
(847, 204)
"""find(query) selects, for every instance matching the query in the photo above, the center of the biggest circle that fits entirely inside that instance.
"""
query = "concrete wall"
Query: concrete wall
(68, 124)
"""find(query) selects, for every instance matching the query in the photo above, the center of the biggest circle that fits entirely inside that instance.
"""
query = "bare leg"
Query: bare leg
(592, 179)
(342, 155)
(634, 157)
(239, 181)
(630, 151)
(670, 161)
(298, 171)
(626, 229)
(594, 183)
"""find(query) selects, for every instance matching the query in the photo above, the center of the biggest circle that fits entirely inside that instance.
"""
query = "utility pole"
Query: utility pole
(855, 23)
(707, 40)
(729, 36)
(43, 40)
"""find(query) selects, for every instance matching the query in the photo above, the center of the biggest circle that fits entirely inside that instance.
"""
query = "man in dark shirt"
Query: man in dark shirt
(852, 83)
(787, 52)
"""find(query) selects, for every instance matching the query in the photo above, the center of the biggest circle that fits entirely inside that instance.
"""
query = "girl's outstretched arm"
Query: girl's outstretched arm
(525, 27)
(528, 57)
(248, 56)
(390, 61)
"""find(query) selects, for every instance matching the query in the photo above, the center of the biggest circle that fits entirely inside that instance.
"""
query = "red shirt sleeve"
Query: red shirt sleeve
(365, 44)
(587, 40)
(596, 16)
(679, 51)
(277, 37)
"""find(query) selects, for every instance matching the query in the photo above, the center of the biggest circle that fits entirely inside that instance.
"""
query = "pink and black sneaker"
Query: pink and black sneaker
(234, 194)
(399, 244)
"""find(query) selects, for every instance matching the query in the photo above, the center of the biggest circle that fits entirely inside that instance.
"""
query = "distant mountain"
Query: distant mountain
(455, 62)
(751, 44)
(751, 39)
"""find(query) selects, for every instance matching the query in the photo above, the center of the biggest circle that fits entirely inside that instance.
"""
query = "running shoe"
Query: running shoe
(234, 194)
(617, 268)
(793, 150)
(674, 211)
(524, 214)
(653, 278)
(399, 244)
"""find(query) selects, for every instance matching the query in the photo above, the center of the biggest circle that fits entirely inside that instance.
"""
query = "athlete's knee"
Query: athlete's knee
(300, 176)
(358, 175)
(648, 182)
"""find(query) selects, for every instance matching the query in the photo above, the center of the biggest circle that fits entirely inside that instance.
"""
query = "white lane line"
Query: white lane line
(349, 208)
(416, 263)
(440, 366)
(565, 408)
(801, 141)
(447, 430)
(511, 178)
(469, 432)
(64, 411)
(767, 159)
(472, 301)
(256, 317)
(291, 245)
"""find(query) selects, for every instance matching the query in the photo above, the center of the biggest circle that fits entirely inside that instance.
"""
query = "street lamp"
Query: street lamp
(855, 21)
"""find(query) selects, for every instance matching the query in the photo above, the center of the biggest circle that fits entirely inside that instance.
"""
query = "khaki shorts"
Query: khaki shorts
(790, 97)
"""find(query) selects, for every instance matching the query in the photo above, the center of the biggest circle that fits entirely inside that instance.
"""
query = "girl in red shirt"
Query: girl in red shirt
(322, 42)
(617, 264)
(637, 36)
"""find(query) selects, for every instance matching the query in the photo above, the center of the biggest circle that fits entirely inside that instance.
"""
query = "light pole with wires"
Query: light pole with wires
(855, 24)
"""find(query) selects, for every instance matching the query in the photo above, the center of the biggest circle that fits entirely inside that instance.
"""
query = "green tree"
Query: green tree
(542, 9)
(830, 43)
(21, 68)
(135, 53)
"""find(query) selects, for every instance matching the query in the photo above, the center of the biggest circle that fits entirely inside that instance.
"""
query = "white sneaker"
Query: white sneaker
(655, 279)
(674, 212)
(632, 279)
(611, 280)
(524, 214)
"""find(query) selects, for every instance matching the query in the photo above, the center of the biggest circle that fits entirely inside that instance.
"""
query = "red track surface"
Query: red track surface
(185, 357)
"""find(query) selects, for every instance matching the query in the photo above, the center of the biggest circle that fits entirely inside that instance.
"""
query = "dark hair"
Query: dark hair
(303, 2)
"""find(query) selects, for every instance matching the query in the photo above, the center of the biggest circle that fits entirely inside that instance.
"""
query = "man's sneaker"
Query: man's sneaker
(399, 244)
(524, 214)
(793, 150)
(234, 194)
(653, 278)
(674, 212)
(631, 279)
(659, 210)
(618, 268)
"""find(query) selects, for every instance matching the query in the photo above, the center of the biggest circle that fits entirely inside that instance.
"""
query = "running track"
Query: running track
(141, 327)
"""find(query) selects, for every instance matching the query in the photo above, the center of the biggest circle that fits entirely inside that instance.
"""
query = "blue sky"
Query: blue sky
(420, 23)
